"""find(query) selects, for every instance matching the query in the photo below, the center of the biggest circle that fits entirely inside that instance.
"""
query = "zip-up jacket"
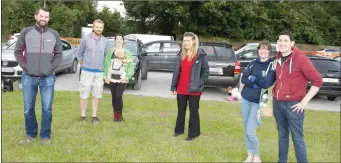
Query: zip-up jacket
(92, 52)
(199, 72)
(38, 51)
(292, 76)
(263, 76)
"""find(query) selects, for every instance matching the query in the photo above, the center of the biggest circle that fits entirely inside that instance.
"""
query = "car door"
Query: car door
(153, 55)
(66, 57)
(168, 54)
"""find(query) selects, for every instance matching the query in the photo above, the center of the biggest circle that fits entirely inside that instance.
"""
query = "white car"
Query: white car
(13, 39)
(11, 70)
(251, 46)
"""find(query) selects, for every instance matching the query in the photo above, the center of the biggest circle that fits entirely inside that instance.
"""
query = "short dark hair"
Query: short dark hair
(288, 33)
(42, 8)
(264, 44)
(117, 35)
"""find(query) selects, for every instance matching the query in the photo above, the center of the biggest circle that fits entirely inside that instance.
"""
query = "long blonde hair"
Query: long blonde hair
(194, 47)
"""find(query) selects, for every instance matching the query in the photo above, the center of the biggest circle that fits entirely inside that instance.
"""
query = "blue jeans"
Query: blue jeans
(249, 111)
(30, 88)
(285, 120)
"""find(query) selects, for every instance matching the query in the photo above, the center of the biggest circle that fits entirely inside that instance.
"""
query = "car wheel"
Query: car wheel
(137, 86)
(73, 68)
(145, 76)
(331, 98)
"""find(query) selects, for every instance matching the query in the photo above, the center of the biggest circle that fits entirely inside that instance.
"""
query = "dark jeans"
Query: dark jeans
(30, 88)
(116, 95)
(194, 121)
(285, 120)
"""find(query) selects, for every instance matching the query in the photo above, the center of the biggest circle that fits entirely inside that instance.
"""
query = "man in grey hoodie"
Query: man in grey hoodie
(91, 54)
(38, 52)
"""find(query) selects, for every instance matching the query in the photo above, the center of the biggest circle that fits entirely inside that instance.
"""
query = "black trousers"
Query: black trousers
(194, 120)
(116, 95)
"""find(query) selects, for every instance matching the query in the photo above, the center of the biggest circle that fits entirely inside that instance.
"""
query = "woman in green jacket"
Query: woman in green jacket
(118, 70)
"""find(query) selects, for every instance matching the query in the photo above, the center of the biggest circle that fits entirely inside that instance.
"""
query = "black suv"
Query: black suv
(330, 73)
(224, 67)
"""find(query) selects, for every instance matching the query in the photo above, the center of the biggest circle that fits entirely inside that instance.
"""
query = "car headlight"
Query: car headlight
(4, 63)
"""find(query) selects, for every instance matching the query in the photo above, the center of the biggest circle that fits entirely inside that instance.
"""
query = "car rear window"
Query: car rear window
(326, 66)
(220, 51)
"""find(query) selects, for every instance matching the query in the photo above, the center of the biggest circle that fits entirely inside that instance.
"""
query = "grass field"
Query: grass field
(146, 133)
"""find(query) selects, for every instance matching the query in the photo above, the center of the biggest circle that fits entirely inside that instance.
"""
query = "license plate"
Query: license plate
(7, 69)
(330, 80)
(216, 71)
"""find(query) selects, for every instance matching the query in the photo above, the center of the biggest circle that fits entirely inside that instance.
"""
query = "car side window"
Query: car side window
(251, 54)
(251, 47)
(66, 46)
(170, 47)
(152, 48)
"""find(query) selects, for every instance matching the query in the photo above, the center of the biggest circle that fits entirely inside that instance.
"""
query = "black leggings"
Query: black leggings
(116, 95)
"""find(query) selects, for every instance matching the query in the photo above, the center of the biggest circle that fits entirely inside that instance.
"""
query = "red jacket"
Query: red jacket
(292, 76)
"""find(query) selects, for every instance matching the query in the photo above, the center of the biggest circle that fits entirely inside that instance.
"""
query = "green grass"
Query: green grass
(146, 133)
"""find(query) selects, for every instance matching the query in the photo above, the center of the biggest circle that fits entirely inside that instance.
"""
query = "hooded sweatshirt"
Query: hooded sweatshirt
(292, 76)
(263, 77)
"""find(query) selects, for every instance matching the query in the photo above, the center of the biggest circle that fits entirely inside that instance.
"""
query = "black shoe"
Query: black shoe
(177, 134)
(190, 138)
(95, 120)
(83, 119)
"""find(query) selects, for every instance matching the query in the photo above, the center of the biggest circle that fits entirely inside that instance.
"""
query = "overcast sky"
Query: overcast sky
(112, 5)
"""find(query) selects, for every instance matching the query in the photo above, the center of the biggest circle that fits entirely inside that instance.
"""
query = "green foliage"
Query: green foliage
(310, 22)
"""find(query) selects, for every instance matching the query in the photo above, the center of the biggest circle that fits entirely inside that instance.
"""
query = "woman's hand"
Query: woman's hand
(106, 80)
(174, 92)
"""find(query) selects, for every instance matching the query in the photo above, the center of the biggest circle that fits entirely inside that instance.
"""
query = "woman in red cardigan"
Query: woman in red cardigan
(190, 73)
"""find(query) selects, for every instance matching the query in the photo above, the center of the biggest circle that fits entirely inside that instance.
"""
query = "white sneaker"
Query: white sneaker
(249, 159)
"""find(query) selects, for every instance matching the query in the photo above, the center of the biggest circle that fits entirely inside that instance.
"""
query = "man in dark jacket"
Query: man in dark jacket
(38, 52)
(293, 71)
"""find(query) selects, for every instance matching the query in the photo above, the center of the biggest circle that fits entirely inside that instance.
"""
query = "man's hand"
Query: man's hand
(311, 93)
(299, 107)
(81, 63)
(174, 92)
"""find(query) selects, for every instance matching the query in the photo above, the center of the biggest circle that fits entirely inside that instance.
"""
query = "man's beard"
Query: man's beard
(98, 32)
(40, 23)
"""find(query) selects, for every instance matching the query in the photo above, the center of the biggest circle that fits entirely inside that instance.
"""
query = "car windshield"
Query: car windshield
(12, 46)
(218, 51)
(130, 45)
(326, 66)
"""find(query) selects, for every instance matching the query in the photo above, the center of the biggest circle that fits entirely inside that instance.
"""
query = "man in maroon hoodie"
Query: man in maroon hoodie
(293, 71)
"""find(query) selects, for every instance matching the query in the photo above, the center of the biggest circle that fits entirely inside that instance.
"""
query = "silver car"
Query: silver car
(11, 69)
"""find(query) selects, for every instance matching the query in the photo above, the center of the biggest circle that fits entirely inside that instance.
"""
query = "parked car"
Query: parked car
(11, 69)
(329, 50)
(140, 67)
(252, 46)
(224, 67)
(13, 38)
(330, 73)
(338, 58)
(249, 52)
